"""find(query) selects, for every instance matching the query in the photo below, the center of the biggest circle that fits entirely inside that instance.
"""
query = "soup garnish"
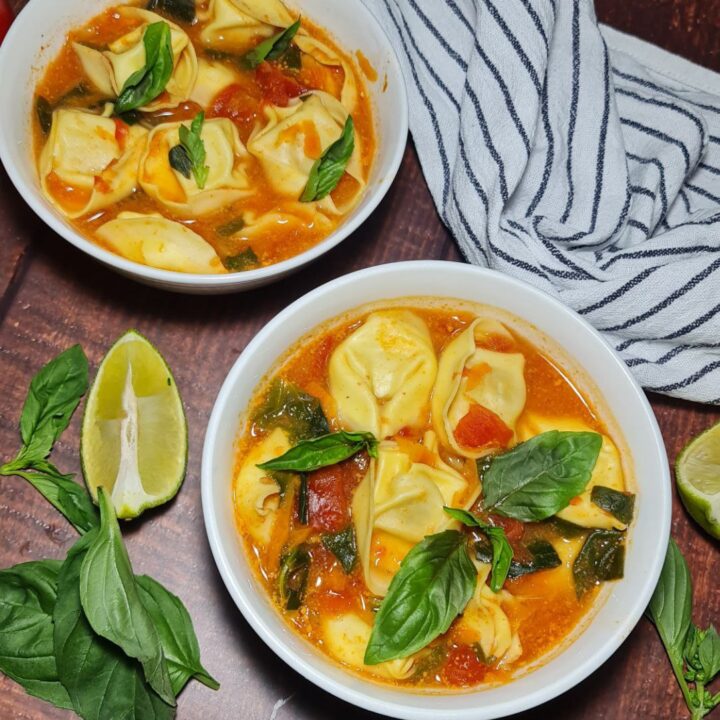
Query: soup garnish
(428, 497)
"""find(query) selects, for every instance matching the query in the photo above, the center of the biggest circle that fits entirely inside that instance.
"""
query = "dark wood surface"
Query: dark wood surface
(52, 296)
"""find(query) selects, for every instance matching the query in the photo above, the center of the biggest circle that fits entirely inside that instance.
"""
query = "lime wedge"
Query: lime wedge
(697, 473)
(134, 434)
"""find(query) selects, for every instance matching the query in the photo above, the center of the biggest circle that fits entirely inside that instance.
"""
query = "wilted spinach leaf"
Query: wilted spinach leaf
(543, 556)
(601, 558)
(44, 112)
(182, 10)
(619, 504)
(292, 580)
(230, 228)
(343, 546)
(245, 260)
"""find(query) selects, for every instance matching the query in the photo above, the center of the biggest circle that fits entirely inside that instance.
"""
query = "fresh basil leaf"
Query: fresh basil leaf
(293, 410)
(146, 84)
(309, 455)
(329, 169)
(428, 661)
(670, 607)
(543, 556)
(620, 505)
(539, 477)
(601, 558)
(27, 652)
(54, 394)
(343, 546)
(191, 141)
(433, 586)
(180, 161)
(112, 605)
(502, 552)
(303, 500)
(293, 575)
(182, 10)
(103, 683)
(232, 227)
(44, 112)
(177, 635)
(708, 654)
(272, 48)
(245, 260)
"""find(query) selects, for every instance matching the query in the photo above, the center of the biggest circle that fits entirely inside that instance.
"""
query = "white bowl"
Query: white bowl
(34, 40)
(612, 385)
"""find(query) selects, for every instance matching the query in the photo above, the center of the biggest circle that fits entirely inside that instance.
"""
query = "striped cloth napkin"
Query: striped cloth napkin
(557, 157)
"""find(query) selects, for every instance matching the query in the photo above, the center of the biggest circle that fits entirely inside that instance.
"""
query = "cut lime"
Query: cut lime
(697, 473)
(134, 434)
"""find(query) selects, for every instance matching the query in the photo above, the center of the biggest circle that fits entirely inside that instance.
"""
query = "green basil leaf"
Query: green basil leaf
(343, 546)
(146, 84)
(182, 10)
(329, 169)
(429, 661)
(191, 141)
(27, 652)
(303, 500)
(293, 410)
(272, 48)
(543, 556)
(433, 586)
(177, 635)
(245, 260)
(539, 477)
(502, 552)
(44, 112)
(309, 455)
(180, 161)
(620, 505)
(293, 575)
(232, 227)
(112, 604)
(708, 654)
(601, 558)
(103, 683)
(53, 395)
(670, 607)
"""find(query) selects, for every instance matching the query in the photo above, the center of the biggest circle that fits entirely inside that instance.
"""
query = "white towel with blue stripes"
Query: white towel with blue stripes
(578, 159)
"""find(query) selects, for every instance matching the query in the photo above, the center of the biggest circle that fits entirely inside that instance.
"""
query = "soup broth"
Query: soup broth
(329, 545)
(267, 126)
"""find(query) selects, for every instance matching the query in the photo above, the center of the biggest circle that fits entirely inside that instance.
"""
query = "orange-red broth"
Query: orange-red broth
(549, 609)
(270, 83)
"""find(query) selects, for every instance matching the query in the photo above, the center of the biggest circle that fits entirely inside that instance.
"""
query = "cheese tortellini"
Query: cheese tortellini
(86, 165)
(607, 472)
(212, 79)
(156, 241)
(381, 375)
(110, 69)
(227, 179)
(469, 375)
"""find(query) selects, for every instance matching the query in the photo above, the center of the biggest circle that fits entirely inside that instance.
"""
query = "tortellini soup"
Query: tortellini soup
(429, 496)
(204, 136)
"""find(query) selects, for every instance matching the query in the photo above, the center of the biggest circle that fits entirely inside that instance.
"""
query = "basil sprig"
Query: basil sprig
(540, 476)
(433, 586)
(694, 654)
(330, 167)
(320, 452)
(271, 49)
(188, 158)
(502, 552)
(147, 83)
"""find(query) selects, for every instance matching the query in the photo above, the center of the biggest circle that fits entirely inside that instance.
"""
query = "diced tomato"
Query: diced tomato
(576, 500)
(481, 427)
(278, 88)
(122, 130)
(328, 506)
(6, 18)
(237, 103)
(514, 529)
(463, 668)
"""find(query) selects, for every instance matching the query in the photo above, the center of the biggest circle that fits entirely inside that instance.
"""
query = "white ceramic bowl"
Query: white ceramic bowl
(35, 38)
(614, 386)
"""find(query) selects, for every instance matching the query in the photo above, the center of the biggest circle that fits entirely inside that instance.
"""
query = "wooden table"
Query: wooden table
(52, 296)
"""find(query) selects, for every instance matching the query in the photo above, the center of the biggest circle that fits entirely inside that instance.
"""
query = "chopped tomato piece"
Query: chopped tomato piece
(463, 667)
(328, 506)
(576, 500)
(237, 103)
(514, 529)
(122, 130)
(481, 427)
(278, 88)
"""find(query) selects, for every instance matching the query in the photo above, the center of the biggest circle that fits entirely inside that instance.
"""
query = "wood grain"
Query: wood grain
(52, 296)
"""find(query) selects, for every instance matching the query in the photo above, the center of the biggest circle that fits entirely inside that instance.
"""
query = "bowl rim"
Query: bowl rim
(19, 31)
(316, 675)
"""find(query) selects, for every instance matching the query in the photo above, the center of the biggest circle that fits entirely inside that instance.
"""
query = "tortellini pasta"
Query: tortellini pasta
(289, 216)
(257, 495)
(156, 241)
(212, 79)
(400, 501)
(227, 179)
(607, 472)
(294, 137)
(469, 375)
(237, 24)
(381, 375)
(109, 70)
(86, 164)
